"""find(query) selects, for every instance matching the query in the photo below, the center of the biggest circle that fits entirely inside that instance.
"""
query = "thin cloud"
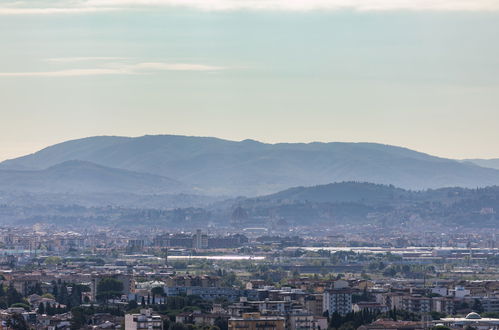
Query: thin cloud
(304, 5)
(133, 69)
(65, 73)
(93, 6)
(175, 67)
(51, 11)
(84, 59)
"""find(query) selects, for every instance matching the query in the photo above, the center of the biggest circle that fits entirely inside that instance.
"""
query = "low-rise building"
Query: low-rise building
(255, 321)
(145, 320)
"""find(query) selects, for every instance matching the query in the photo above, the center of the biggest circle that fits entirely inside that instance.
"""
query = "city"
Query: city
(102, 278)
(249, 164)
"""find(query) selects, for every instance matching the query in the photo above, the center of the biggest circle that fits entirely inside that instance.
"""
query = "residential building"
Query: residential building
(255, 321)
(145, 320)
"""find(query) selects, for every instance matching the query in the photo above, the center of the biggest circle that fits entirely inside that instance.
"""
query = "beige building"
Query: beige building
(255, 321)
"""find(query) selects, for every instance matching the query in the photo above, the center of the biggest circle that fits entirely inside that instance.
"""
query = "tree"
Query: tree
(166, 323)
(17, 322)
(177, 326)
(109, 288)
(55, 289)
(49, 309)
(437, 315)
(22, 305)
(63, 297)
(132, 304)
(158, 291)
(52, 260)
(41, 308)
(37, 289)
(78, 319)
(13, 296)
(221, 323)
(477, 306)
(75, 296)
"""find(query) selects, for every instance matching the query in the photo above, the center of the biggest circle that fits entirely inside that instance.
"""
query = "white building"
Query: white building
(144, 320)
(460, 292)
(337, 300)
(473, 320)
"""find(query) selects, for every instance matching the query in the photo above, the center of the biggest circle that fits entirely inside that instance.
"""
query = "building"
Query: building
(382, 324)
(416, 304)
(313, 303)
(200, 240)
(301, 321)
(473, 320)
(144, 320)
(372, 307)
(337, 301)
(255, 321)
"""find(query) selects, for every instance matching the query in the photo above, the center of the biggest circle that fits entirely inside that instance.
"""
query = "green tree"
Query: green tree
(22, 305)
(63, 297)
(52, 260)
(158, 291)
(221, 323)
(13, 296)
(78, 319)
(109, 288)
(178, 326)
(17, 322)
(41, 308)
(477, 306)
(132, 304)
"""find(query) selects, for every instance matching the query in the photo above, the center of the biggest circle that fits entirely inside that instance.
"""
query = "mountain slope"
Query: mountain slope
(489, 163)
(351, 202)
(249, 167)
(85, 177)
(343, 192)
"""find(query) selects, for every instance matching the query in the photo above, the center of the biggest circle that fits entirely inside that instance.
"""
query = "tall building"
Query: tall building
(337, 301)
(200, 240)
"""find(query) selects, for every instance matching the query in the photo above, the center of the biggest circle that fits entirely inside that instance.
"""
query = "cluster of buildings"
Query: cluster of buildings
(309, 303)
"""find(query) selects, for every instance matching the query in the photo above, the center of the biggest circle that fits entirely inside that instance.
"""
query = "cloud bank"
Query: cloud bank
(93, 6)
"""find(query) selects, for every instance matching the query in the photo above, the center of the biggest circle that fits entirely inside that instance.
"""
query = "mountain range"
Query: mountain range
(212, 166)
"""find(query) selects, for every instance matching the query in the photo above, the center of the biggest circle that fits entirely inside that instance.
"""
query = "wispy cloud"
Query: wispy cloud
(51, 11)
(304, 5)
(174, 67)
(84, 59)
(65, 73)
(118, 69)
(93, 6)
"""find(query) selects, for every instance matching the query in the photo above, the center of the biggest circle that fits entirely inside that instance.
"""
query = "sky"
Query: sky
(422, 74)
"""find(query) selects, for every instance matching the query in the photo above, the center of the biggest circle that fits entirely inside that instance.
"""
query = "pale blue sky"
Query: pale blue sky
(426, 78)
